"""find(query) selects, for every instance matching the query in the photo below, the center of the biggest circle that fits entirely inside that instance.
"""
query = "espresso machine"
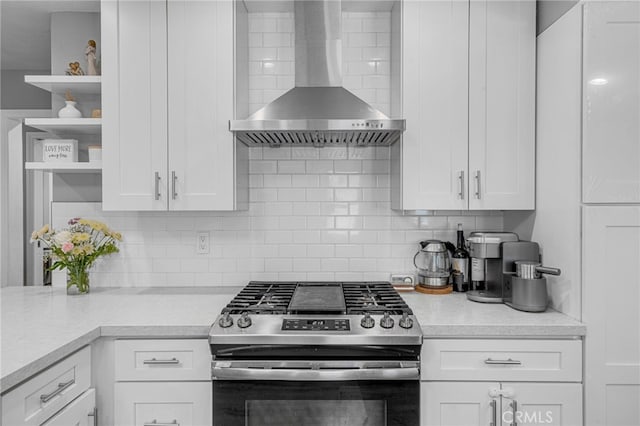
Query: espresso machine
(507, 270)
(487, 276)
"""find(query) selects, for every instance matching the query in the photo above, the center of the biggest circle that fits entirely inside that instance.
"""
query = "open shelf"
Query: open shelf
(67, 126)
(59, 84)
(79, 167)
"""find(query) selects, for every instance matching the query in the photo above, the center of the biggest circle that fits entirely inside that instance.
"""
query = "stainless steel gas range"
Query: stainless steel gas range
(316, 353)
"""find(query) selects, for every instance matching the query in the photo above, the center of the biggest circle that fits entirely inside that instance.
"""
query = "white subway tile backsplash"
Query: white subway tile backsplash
(334, 209)
(319, 194)
(291, 194)
(290, 166)
(319, 166)
(333, 181)
(314, 213)
(263, 167)
(361, 39)
(348, 166)
(265, 54)
(348, 194)
(280, 39)
(258, 23)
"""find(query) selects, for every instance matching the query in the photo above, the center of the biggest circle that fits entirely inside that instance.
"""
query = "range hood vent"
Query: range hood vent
(318, 110)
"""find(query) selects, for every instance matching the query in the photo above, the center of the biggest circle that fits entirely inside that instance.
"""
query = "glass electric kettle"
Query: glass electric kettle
(433, 263)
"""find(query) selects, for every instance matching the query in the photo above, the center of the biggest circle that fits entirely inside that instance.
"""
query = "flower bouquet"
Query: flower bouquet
(77, 247)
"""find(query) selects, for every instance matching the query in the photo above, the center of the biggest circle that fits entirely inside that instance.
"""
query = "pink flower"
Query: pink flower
(67, 247)
(73, 221)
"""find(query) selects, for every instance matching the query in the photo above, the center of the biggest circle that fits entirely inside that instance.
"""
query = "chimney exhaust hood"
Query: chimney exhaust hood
(318, 110)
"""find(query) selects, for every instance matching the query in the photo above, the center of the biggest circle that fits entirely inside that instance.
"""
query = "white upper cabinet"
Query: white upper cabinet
(468, 94)
(201, 154)
(611, 109)
(434, 103)
(168, 95)
(502, 51)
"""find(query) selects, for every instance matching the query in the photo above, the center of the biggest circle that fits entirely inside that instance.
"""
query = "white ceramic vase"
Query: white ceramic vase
(69, 111)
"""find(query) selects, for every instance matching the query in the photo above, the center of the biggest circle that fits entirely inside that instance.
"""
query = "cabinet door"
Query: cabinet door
(79, 413)
(611, 105)
(502, 43)
(459, 403)
(554, 404)
(134, 97)
(434, 103)
(183, 403)
(611, 249)
(201, 82)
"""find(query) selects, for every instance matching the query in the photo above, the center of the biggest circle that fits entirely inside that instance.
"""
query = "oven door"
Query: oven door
(315, 393)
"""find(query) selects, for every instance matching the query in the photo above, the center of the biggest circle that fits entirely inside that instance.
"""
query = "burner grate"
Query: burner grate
(373, 297)
(262, 298)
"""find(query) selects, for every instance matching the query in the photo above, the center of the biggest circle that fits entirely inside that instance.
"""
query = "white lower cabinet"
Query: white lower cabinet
(81, 412)
(51, 391)
(485, 403)
(163, 403)
(450, 393)
(162, 382)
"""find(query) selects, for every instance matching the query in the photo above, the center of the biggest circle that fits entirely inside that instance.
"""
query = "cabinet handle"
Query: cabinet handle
(157, 186)
(61, 387)
(174, 194)
(494, 414)
(514, 410)
(477, 179)
(94, 414)
(461, 184)
(502, 361)
(155, 423)
(154, 361)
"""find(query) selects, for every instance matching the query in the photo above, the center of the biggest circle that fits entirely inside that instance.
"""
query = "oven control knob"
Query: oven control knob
(386, 321)
(405, 321)
(367, 321)
(244, 321)
(226, 321)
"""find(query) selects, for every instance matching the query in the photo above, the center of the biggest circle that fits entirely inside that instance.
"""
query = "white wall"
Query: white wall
(557, 226)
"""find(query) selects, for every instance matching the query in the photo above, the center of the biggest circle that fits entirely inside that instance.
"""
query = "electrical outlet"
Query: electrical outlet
(202, 243)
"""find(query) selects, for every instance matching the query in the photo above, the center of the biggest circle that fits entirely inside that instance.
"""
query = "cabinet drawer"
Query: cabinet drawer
(183, 404)
(34, 401)
(508, 360)
(166, 360)
(80, 412)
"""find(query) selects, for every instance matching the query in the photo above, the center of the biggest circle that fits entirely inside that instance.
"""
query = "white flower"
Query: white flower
(62, 237)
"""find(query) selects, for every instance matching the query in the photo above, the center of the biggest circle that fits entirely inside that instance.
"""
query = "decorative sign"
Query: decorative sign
(60, 150)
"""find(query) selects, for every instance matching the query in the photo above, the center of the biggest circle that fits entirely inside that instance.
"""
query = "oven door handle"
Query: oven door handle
(313, 375)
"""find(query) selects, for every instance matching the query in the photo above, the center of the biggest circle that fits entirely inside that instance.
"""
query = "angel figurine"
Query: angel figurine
(90, 53)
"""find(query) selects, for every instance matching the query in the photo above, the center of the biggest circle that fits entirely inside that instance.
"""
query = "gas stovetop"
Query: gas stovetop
(317, 313)
(347, 298)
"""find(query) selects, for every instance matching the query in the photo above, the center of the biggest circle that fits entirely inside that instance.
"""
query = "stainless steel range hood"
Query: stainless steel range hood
(318, 110)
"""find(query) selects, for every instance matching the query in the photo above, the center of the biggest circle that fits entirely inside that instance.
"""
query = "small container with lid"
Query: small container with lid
(95, 153)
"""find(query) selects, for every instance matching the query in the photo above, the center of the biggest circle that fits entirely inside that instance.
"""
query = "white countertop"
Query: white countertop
(41, 325)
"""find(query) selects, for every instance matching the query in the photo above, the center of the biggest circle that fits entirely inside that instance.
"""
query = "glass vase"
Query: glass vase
(77, 281)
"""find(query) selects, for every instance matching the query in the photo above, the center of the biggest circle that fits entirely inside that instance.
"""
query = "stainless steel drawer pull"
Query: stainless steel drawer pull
(154, 361)
(514, 410)
(477, 179)
(61, 387)
(157, 186)
(494, 414)
(94, 414)
(461, 183)
(155, 423)
(174, 194)
(503, 361)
